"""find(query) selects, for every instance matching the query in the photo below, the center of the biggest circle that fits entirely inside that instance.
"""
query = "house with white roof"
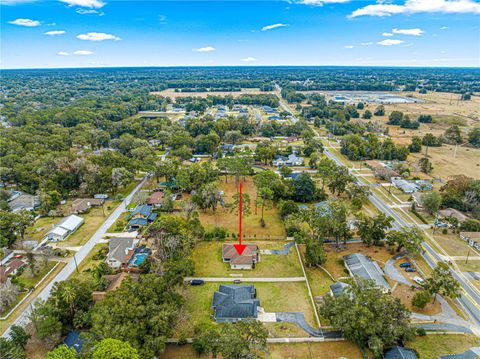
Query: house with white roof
(66, 227)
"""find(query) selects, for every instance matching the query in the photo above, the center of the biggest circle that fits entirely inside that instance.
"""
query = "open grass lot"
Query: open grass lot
(470, 266)
(208, 261)
(318, 279)
(432, 346)
(273, 298)
(325, 350)
(251, 224)
(405, 294)
(174, 95)
(90, 261)
(452, 243)
(40, 228)
(29, 281)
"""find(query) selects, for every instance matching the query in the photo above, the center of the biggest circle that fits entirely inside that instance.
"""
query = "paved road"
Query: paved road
(246, 279)
(283, 105)
(393, 272)
(67, 271)
(470, 299)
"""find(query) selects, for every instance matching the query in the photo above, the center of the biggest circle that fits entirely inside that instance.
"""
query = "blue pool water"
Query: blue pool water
(139, 258)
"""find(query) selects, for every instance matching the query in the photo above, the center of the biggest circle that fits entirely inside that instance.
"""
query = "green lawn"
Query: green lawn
(273, 298)
(432, 346)
(29, 282)
(89, 262)
(208, 261)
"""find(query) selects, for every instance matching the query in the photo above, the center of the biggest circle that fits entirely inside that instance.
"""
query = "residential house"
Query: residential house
(452, 212)
(423, 185)
(14, 266)
(337, 288)
(232, 303)
(120, 250)
(67, 226)
(20, 200)
(472, 238)
(247, 260)
(82, 205)
(291, 160)
(5, 255)
(399, 353)
(404, 185)
(359, 265)
(155, 199)
(140, 217)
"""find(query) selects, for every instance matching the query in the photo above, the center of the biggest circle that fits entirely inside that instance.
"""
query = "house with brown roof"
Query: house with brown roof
(82, 205)
(13, 267)
(246, 260)
(155, 199)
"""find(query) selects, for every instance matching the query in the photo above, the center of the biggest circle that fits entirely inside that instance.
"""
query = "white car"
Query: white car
(418, 280)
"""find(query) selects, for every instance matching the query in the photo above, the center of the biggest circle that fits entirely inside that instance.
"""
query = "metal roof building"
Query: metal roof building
(361, 266)
(399, 353)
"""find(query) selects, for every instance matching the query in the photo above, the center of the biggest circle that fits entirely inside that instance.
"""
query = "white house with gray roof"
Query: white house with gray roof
(359, 265)
(120, 249)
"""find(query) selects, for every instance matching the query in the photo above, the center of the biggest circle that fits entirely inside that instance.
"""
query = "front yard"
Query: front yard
(207, 256)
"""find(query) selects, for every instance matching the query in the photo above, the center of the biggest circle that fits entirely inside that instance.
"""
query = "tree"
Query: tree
(372, 230)
(208, 197)
(9, 350)
(395, 118)
(246, 339)
(442, 282)
(287, 208)
(19, 336)
(121, 177)
(340, 179)
(416, 145)
(407, 238)
(8, 294)
(314, 253)
(420, 299)
(141, 313)
(470, 225)
(474, 137)
(379, 111)
(62, 352)
(431, 202)
(325, 169)
(358, 195)
(114, 349)
(367, 115)
(46, 323)
(368, 317)
(425, 119)
(453, 135)
(233, 136)
(425, 165)
(285, 171)
(167, 169)
(304, 188)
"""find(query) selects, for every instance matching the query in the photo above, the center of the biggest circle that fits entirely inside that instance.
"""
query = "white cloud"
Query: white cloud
(366, 43)
(249, 59)
(204, 49)
(388, 34)
(86, 12)
(444, 28)
(25, 22)
(97, 36)
(83, 52)
(348, 47)
(320, 2)
(419, 6)
(390, 42)
(62, 53)
(162, 19)
(54, 32)
(413, 32)
(273, 26)
(97, 4)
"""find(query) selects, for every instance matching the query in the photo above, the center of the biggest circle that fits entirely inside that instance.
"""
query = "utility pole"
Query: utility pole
(75, 260)
(468, 254)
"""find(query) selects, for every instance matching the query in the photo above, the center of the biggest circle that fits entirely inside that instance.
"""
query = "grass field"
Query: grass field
(29, 281)
(326, 350)
(432, 346)
(89, 262)
(271, 295)
(174, 95)
(251, 224)
(208, 261)
(318, 279)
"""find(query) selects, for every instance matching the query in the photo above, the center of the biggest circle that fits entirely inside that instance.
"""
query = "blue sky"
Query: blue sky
(96, 33)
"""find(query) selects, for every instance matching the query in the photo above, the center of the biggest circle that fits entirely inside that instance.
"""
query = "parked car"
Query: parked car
(410, 269)
(405, 265)
(236, 281)
(439, 224)
(418, 280)
(18, 256)
(197, 282)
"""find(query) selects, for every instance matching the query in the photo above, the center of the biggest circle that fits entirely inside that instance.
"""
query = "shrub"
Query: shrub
(219, 233)
(421, 332)
(420, 299)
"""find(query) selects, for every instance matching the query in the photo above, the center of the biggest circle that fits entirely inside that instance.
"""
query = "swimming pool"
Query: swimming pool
(138, 259)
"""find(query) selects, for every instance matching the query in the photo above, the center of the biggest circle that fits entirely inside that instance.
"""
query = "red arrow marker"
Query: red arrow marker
(240, 247)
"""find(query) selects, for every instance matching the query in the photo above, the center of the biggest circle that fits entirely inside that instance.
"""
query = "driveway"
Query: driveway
(284, 251)
(246, 279)
(298, 319)
(393, 273)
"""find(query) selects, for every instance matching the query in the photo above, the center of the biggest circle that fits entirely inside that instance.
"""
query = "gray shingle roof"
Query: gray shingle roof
(235, 302)
(337, 288)
(400, 353)
(360, 265)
